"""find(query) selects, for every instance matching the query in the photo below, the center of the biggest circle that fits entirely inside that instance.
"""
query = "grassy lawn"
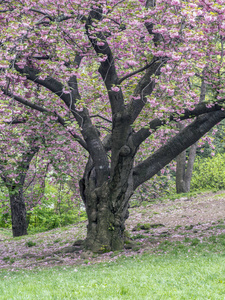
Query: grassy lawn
(148, 276)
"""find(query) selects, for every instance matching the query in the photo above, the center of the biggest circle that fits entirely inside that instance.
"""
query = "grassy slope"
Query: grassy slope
(178, 261)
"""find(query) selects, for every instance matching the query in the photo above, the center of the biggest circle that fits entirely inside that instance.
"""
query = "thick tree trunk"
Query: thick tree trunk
(18, 212)
(106, 220)
(107, 208)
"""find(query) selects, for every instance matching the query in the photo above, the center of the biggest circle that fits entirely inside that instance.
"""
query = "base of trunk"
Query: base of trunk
(105, 230)
(98, 247)
(19, 230)
(109, 238)
(107, 211)
(182, 187)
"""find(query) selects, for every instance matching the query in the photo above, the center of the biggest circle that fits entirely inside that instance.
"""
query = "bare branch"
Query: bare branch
(42, 13)
(99, 116)
(16, 121)
(135, 72)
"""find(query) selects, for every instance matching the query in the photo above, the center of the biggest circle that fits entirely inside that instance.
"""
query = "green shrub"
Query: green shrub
(43, 218)
(5, 215)
(209, 173)
(5, 220)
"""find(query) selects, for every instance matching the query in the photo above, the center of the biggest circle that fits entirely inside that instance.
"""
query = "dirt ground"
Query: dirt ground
(203, 209)
(147, 227)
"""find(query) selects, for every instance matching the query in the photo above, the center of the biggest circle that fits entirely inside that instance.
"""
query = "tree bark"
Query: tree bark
(106, 221)
(15, 188)
(18, 212)
(107, 205)
(184, 171)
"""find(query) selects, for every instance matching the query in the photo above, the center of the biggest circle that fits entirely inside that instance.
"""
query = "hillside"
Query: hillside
(155, 228)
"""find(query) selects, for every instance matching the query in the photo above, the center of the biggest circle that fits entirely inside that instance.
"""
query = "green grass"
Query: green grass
(140, 277)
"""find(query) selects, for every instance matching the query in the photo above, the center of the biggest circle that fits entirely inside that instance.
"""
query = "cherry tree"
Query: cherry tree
(117, 76)
(25, 163)
(15, 160)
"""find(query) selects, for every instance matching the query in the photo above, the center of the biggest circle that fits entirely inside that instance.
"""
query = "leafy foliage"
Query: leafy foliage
(57, 210)
(209, 173)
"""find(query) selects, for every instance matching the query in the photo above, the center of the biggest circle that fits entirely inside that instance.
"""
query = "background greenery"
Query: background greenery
(51, 213)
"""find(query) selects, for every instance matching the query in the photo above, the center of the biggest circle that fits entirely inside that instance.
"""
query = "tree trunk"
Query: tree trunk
(106, 208)
(190, 165)
(106, 220)
(18, 212)
(184, 171)
(17, 203)
(180, 172)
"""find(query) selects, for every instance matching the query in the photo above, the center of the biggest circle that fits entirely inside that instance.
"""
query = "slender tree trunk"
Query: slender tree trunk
(180, 172)
(184, 171)
(18, 212)
(15, 188)
(190, 165)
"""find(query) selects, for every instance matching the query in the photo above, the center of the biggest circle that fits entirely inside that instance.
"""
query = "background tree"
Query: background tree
(115, 74)
(185, 162)
(14, 164)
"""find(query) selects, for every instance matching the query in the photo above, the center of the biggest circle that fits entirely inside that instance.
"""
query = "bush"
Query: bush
(209, 173)
(43, 218)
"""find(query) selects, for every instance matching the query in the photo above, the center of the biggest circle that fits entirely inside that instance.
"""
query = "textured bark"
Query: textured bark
(106, 219)
(18, 212)
(107, 205)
